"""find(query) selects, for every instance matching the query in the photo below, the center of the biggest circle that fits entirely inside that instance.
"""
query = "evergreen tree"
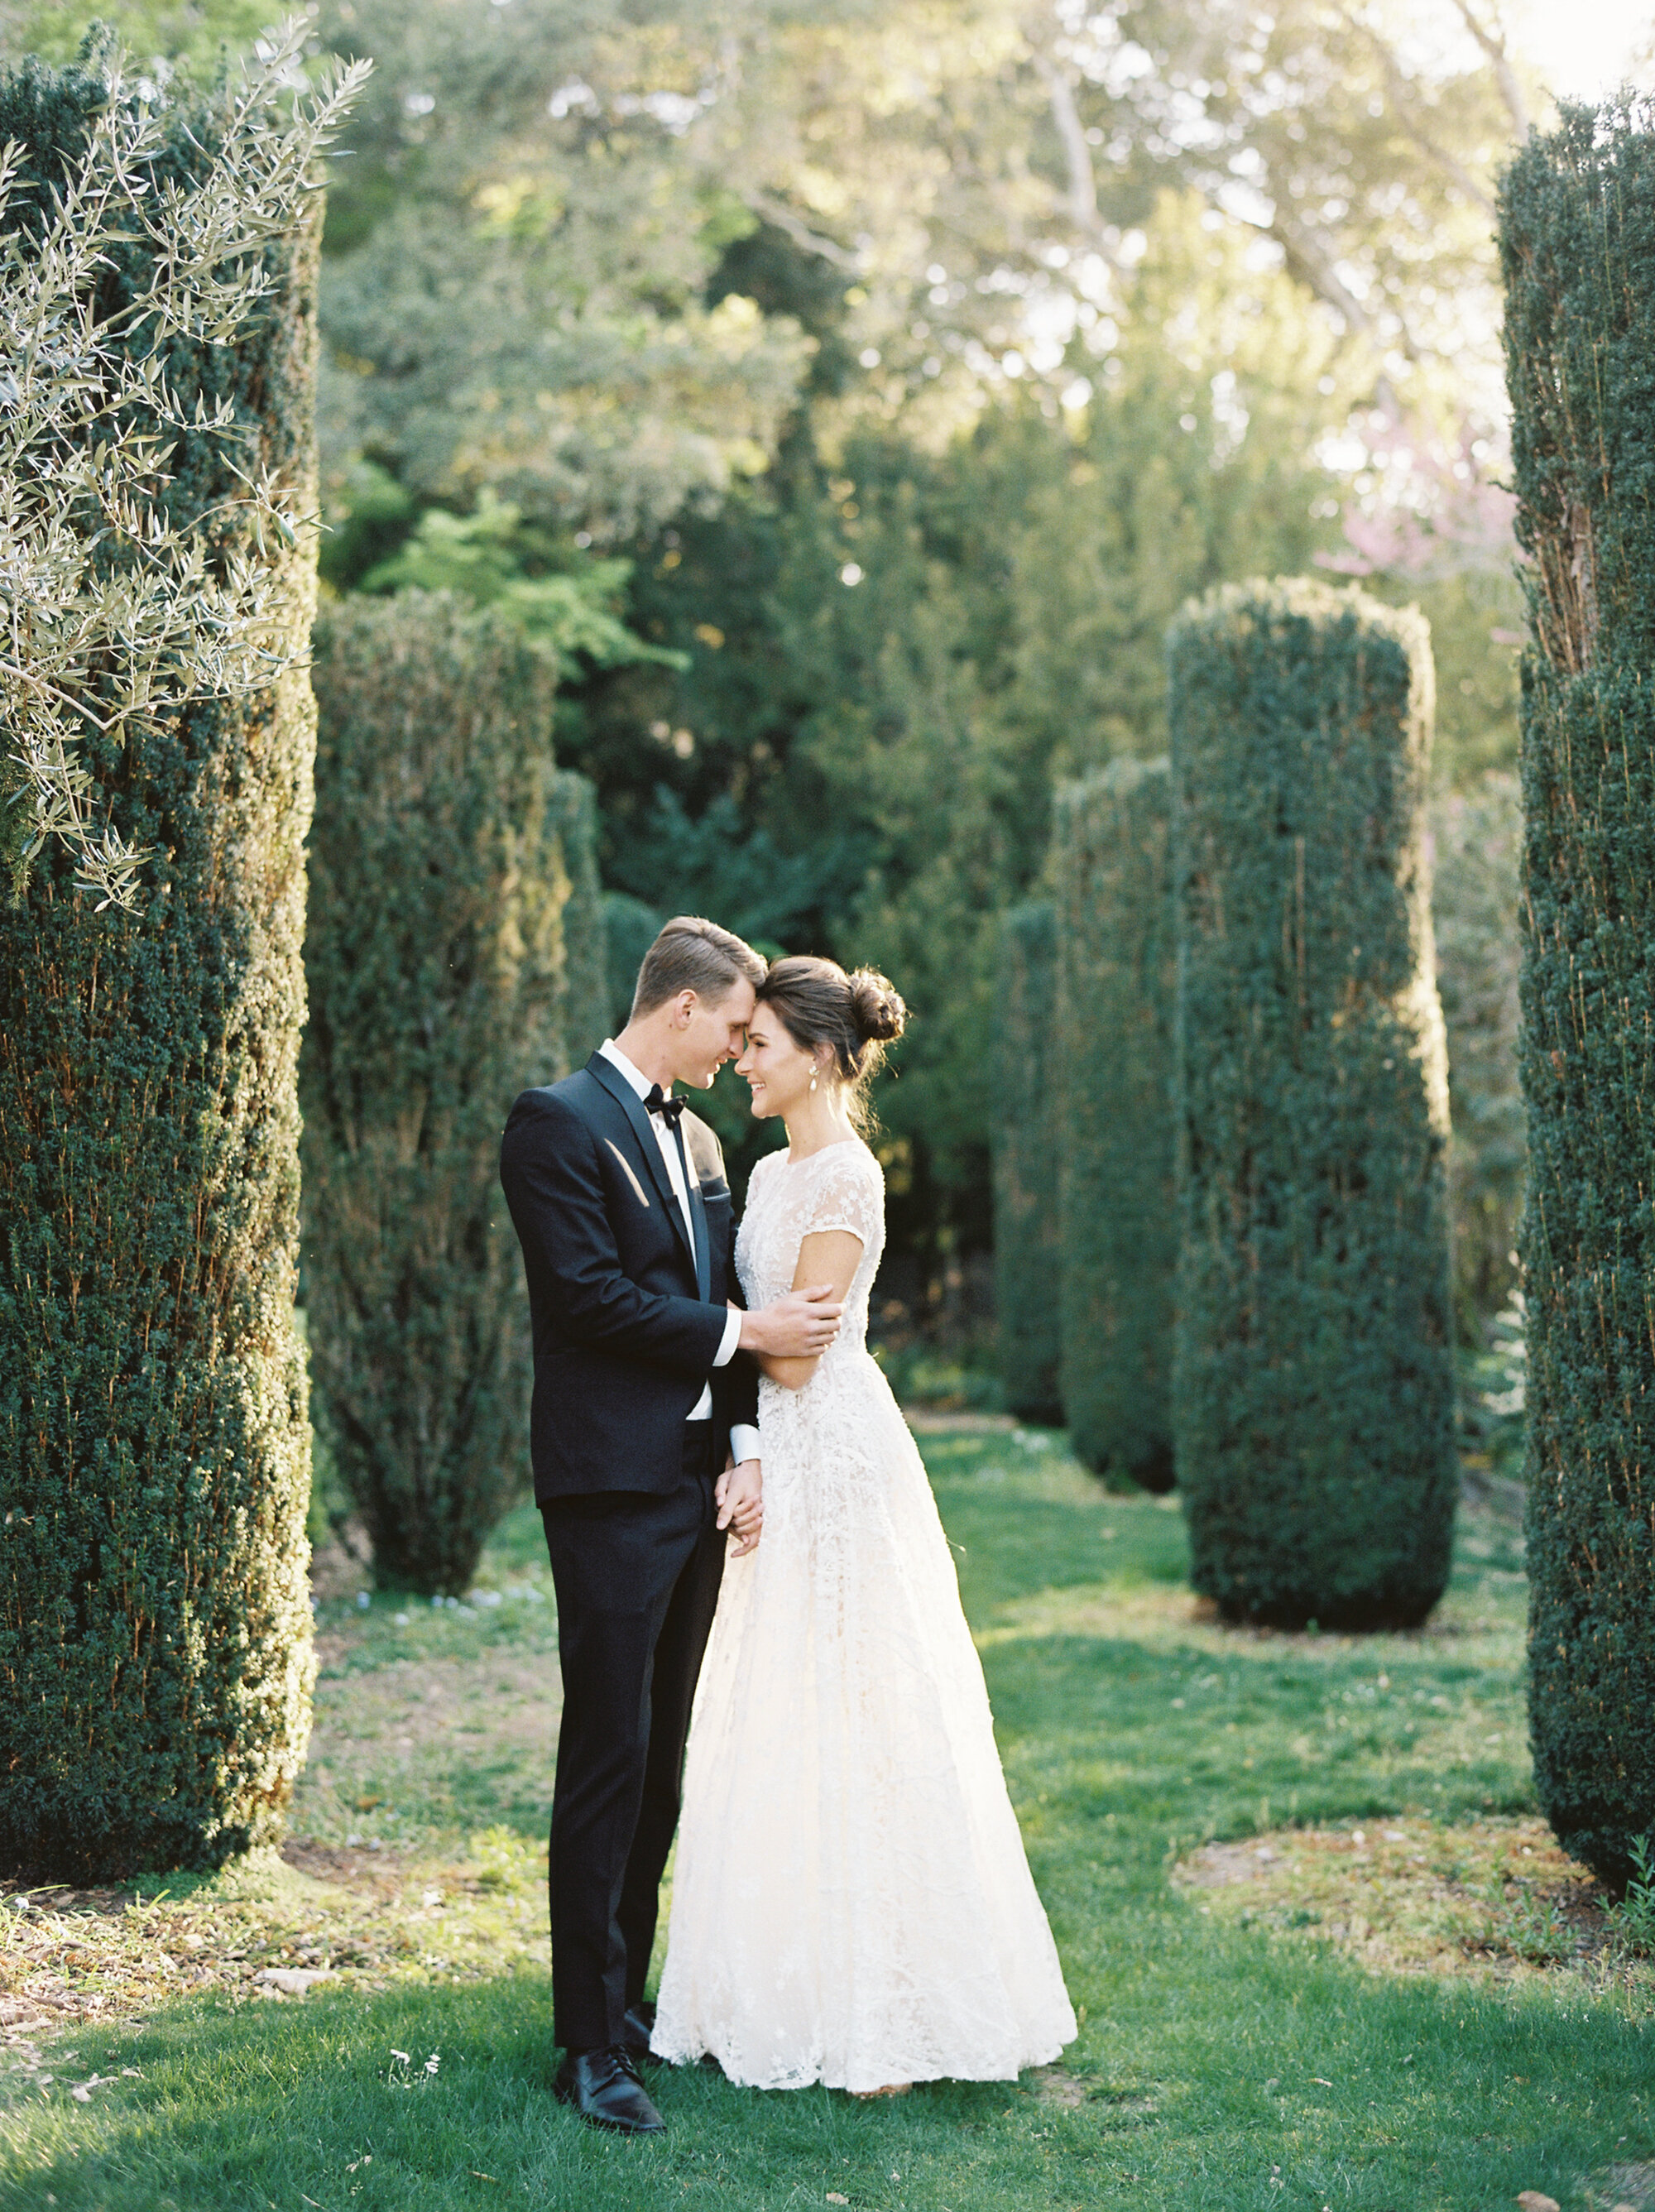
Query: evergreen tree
(1313, 1377)
(1026, 1164)
(1577, 244)
(1114, 1132)
(154, 1650)
(455, 956)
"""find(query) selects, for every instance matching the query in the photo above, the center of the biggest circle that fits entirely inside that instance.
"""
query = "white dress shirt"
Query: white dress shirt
(743, 1441)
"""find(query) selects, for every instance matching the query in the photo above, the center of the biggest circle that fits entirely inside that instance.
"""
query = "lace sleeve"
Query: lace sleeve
(848, 1193)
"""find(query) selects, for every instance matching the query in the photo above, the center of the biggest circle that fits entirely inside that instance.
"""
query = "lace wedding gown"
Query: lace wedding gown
(851, 1903)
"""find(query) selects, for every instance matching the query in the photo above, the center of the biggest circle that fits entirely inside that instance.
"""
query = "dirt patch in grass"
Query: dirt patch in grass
(1055, 2085)
(378, 1874)
(430, 1728)
(1493, 1899)
(1161, 1616)
(1622, 2188)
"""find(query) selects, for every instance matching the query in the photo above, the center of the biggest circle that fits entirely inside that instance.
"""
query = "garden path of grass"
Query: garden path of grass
(1220, 2064)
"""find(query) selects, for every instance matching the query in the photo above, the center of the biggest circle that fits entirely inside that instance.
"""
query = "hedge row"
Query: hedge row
(1578, 245)
(455, 955)
(1026, 1165)
(155, 1650)
(1113, 1217)
(1116, 1207)
(1313, 1387)
(1475, 906)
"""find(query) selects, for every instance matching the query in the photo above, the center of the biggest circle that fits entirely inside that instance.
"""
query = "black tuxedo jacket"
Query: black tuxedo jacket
(623, 1344)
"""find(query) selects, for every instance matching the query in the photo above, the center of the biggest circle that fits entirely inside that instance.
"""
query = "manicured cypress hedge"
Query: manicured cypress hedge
(1578, 245)
(574, 811)
(154, 1649)
(1116, 1204)
(453, 879)
(1477, 835)
(1313, 1380)
(1026, 1164)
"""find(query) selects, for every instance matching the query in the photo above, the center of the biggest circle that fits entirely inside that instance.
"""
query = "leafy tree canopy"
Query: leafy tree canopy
(922, 359)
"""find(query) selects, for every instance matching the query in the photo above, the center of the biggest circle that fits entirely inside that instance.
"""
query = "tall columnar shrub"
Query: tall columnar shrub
(1474, 907)
(1313, 1379)
(585, 990)
(451, 878)
(1578, 245)
(155, 1650)
(1117, 1211)
(1026, 1164)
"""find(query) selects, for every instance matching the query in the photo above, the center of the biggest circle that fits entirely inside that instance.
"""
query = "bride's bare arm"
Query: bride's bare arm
(827, 1256)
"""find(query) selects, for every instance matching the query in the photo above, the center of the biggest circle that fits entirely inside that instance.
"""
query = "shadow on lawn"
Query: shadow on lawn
(442, 2097)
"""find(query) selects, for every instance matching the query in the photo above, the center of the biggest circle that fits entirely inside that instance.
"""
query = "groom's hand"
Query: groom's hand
(739, 1492)
(800, 1326)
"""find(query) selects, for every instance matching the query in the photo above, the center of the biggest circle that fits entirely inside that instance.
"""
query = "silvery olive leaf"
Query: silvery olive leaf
(96, 574)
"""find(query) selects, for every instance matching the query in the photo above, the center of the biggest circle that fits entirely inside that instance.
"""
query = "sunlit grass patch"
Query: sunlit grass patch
(269, 1928)
(1491, 1898)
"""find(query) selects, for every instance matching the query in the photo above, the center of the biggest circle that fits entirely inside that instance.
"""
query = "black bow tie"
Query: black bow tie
(670, 1109)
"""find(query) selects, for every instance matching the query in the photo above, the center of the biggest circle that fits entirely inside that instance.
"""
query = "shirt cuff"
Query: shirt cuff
(726, 1352)
(743, 1443)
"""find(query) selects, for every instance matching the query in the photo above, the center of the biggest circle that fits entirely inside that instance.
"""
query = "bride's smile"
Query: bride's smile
(780, 1073)
(794, 1082)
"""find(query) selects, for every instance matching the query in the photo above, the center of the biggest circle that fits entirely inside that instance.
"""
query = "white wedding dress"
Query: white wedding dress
(851, 1903)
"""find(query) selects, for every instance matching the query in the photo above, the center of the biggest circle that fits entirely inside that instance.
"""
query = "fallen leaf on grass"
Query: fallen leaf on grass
(1532, 2201)
(834, 2197)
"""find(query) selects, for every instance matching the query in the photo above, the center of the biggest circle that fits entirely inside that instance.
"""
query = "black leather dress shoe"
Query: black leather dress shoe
(604, 2087)
(638, 2026)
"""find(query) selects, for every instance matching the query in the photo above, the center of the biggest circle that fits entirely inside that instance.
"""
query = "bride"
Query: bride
(851, 1903)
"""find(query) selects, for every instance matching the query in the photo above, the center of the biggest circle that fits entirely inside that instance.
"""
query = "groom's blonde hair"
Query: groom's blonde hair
(692, 954)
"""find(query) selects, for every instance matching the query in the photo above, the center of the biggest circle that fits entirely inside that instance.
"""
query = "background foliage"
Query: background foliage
(453, 954)
(1312, 1386)
(919, 372)
(154, 1630)
(851, 396)
(1577, 233)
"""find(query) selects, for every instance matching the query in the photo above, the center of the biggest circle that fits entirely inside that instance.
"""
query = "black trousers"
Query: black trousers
(637, 1578)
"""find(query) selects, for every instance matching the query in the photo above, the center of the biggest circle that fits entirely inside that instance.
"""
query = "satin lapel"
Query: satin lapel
(698, 1212)
(654, 1167)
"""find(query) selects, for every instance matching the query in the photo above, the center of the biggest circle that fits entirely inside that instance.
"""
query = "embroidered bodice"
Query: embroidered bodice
(839, 1188)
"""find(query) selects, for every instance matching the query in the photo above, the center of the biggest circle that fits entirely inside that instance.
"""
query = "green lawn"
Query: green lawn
(1223, 2062)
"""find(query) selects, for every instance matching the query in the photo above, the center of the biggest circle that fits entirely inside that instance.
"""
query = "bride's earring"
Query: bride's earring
(812, 1083)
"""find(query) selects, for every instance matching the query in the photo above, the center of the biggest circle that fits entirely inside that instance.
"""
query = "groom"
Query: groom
(620, 1203)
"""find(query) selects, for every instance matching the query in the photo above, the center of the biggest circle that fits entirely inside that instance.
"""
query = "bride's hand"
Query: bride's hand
(740, 1492)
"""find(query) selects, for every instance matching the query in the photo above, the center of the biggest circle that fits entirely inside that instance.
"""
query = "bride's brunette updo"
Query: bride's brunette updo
(855, 1016)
